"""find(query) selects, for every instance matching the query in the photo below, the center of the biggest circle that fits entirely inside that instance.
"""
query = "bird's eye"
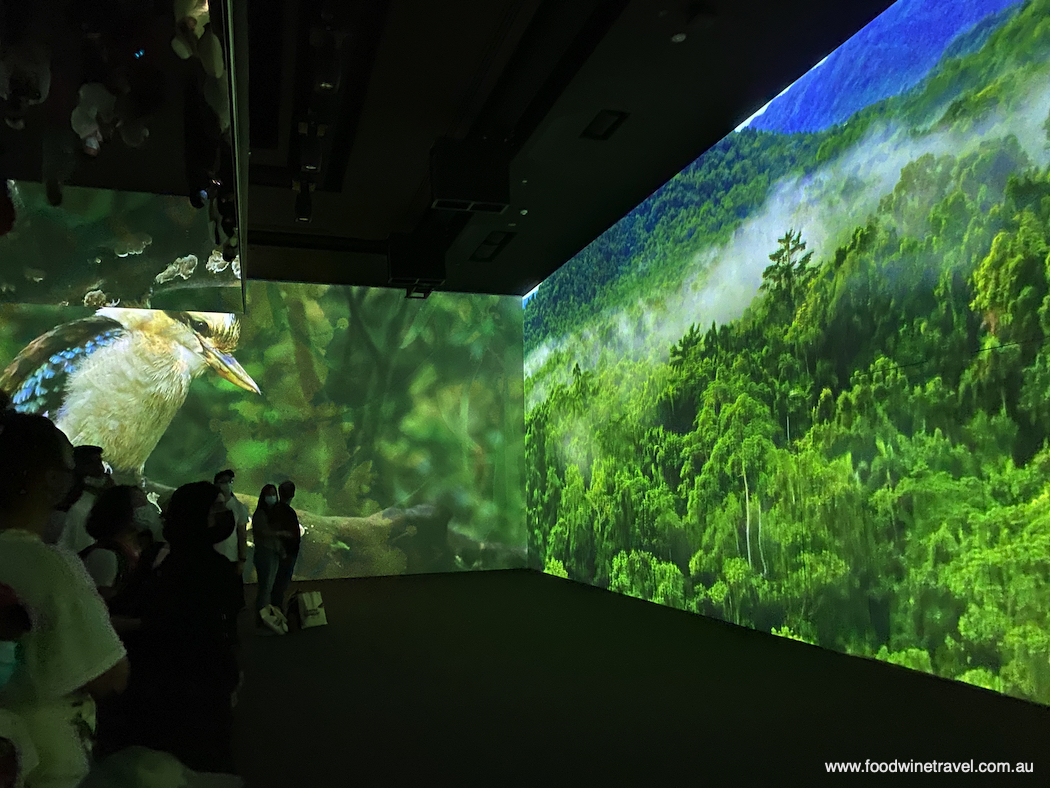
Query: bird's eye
(199, 326)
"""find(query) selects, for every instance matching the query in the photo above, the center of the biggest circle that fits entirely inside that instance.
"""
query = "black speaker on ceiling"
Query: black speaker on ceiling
(470, 175)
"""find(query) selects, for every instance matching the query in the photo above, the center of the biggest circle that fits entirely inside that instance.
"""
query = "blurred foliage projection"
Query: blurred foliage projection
(804, 386)
(400, 421)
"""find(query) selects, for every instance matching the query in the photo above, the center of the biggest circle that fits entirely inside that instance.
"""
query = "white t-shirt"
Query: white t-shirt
(14, 730)
(228, 546)
(71, 642)
(102, 565)
(74, 535)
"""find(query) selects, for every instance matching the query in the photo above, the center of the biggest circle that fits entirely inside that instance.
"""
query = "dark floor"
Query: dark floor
(517, 678)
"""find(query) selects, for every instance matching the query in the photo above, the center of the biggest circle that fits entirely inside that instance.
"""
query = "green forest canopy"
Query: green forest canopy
(653, 247)
(861, 460)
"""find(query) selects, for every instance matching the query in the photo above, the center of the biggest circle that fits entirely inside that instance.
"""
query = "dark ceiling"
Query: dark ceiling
(529, 75)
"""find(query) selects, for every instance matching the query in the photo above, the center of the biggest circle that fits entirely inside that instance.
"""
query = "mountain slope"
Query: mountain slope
(888, 57)
(701, 208)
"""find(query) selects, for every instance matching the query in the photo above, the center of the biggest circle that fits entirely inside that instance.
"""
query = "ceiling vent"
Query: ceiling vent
(604, 125)
(470, 176)
(493, 244)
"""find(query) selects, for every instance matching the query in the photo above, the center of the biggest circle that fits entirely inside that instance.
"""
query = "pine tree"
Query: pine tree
(790, 269)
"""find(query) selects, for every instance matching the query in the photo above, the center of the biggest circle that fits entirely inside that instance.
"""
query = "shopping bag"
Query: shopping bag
(279, 615)
(311, 609)
(274, 619)
(294, 622)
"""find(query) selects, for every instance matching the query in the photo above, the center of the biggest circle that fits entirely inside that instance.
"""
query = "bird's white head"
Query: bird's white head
(205, 338)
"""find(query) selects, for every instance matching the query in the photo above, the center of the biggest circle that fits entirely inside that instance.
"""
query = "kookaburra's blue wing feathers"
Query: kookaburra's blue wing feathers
(117, 379)
(36, 379)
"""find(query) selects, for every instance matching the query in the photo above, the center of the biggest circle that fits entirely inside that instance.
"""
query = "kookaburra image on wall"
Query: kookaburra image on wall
(400, 421)
(118, 378)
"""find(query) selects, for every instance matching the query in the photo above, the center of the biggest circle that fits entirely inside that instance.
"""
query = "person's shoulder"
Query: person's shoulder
(20, 546)
(84, 503)
(11, 534)
(43, 571)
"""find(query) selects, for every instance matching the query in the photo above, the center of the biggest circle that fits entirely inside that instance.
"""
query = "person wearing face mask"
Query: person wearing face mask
(268, 552)
(185, 676)
(93, 479)
(147, 518)
(93, 468)
(124, 552)
(70, 656)
(286, 523)
(128, 549)
(235, 548)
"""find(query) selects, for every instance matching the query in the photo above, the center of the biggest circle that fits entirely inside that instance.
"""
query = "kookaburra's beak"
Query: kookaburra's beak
(228, 367)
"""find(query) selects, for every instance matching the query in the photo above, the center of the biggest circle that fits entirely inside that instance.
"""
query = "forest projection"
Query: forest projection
(805, 386)
(400, 421)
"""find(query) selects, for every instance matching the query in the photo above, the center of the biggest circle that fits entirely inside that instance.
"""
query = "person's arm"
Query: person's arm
(125, 624)
(270, 532)
(164, 552)
(295, 535)
(261, 526)
(114, 680)
(242, 533)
